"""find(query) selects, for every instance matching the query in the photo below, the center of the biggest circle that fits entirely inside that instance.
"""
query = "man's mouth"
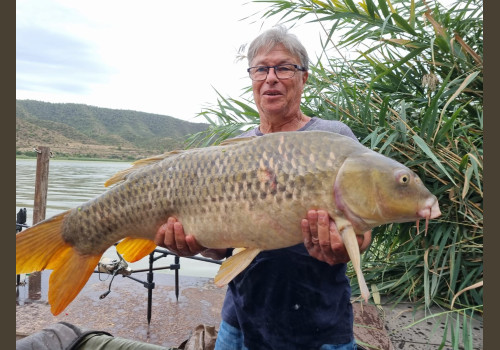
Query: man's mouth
(272, 93)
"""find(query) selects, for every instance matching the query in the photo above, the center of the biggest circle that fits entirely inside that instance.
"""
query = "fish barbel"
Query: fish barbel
(250, 193)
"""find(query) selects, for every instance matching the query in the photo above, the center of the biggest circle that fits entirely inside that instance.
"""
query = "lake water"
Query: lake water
(74, 182)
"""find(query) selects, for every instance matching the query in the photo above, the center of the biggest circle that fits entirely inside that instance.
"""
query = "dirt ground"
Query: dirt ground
(123, 313)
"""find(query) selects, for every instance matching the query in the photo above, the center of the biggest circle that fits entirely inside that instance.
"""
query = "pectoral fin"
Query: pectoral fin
(351, 244)
(234, 265)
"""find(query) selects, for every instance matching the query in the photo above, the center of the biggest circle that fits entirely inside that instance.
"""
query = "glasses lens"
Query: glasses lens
(258, 73)
(285, 71)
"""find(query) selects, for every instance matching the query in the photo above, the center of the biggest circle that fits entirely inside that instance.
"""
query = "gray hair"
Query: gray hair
(275, 36)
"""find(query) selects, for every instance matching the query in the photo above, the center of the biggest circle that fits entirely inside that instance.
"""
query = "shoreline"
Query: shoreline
(81, 159)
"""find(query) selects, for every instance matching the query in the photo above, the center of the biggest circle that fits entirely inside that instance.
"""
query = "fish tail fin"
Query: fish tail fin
(234, 265)
(71, 271)
(42, 247)
(40, 244)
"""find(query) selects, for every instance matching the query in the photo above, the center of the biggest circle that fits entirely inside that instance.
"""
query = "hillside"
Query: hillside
(86, 131)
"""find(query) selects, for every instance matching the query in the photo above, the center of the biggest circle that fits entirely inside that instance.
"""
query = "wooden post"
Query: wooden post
(41, 184)
(39, 210)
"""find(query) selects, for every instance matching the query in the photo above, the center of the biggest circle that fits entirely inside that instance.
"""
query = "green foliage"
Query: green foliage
(231, 116)
(27, 154)
(412, 89)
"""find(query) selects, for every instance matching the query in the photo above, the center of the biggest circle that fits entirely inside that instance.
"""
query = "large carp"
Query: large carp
(250, 193)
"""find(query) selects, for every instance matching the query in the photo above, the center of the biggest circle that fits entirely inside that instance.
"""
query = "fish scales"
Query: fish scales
(239, 189)
(247, 193)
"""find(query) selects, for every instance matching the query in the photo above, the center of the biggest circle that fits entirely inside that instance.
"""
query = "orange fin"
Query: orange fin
(42, 247)
(39, 245)
(134, 249)
(71, 273)
(234, 265)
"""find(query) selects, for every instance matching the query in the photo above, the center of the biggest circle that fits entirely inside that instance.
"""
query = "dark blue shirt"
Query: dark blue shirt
(287, 299)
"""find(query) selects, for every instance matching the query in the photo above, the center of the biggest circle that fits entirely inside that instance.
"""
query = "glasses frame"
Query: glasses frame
(296, 66)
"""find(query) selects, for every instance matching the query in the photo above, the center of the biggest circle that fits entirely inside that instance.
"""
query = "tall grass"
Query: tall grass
(412, 89)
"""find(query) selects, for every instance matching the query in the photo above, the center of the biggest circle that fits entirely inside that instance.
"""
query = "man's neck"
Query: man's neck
(277, 124)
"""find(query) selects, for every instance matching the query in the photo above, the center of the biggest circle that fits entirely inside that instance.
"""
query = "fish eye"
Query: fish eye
(404, 179)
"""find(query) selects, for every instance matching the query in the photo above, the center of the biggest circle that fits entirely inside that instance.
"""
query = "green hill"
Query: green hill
(80, 130)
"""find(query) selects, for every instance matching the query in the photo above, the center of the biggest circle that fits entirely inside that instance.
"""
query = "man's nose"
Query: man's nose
(271, 75)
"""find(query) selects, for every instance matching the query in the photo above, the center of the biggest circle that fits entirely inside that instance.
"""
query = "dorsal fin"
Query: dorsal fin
(141, 163)
(138, 164)
(236, 140)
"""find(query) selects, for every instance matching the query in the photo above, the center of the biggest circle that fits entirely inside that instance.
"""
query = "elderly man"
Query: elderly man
(296, 297)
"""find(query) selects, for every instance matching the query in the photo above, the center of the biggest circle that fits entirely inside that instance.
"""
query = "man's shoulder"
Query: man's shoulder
(315, 124)
(331, 126)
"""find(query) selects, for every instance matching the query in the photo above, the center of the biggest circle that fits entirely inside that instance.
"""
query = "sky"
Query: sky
(155, 56)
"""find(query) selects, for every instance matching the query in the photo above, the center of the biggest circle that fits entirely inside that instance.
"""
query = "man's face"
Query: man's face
(272, 95)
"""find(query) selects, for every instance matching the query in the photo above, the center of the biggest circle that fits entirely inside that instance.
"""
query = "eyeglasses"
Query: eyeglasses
(282, 71)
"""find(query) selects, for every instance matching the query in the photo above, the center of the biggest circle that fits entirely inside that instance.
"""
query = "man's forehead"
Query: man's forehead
(275, 52)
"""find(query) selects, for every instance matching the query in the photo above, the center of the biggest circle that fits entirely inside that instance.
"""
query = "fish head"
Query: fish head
(371, 189)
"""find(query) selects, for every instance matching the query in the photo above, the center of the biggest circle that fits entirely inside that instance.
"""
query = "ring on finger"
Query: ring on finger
(315, 240)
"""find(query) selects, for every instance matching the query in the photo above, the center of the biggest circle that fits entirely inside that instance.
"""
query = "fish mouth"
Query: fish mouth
(430, 211)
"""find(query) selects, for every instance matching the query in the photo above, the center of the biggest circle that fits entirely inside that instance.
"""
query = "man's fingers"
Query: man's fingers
(193, 246)
(160, 235)
(180, 239)
(171, 235)
(366, 239)
(310, 242)
(169, 239)
(306, 234)
(324, 236)
(312, 218)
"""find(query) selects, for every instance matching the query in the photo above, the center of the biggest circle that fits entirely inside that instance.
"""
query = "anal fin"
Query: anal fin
(234, 265)
(134, 249)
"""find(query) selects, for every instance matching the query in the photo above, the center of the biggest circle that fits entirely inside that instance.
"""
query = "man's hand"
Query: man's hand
(323, 241)
(171, 236)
